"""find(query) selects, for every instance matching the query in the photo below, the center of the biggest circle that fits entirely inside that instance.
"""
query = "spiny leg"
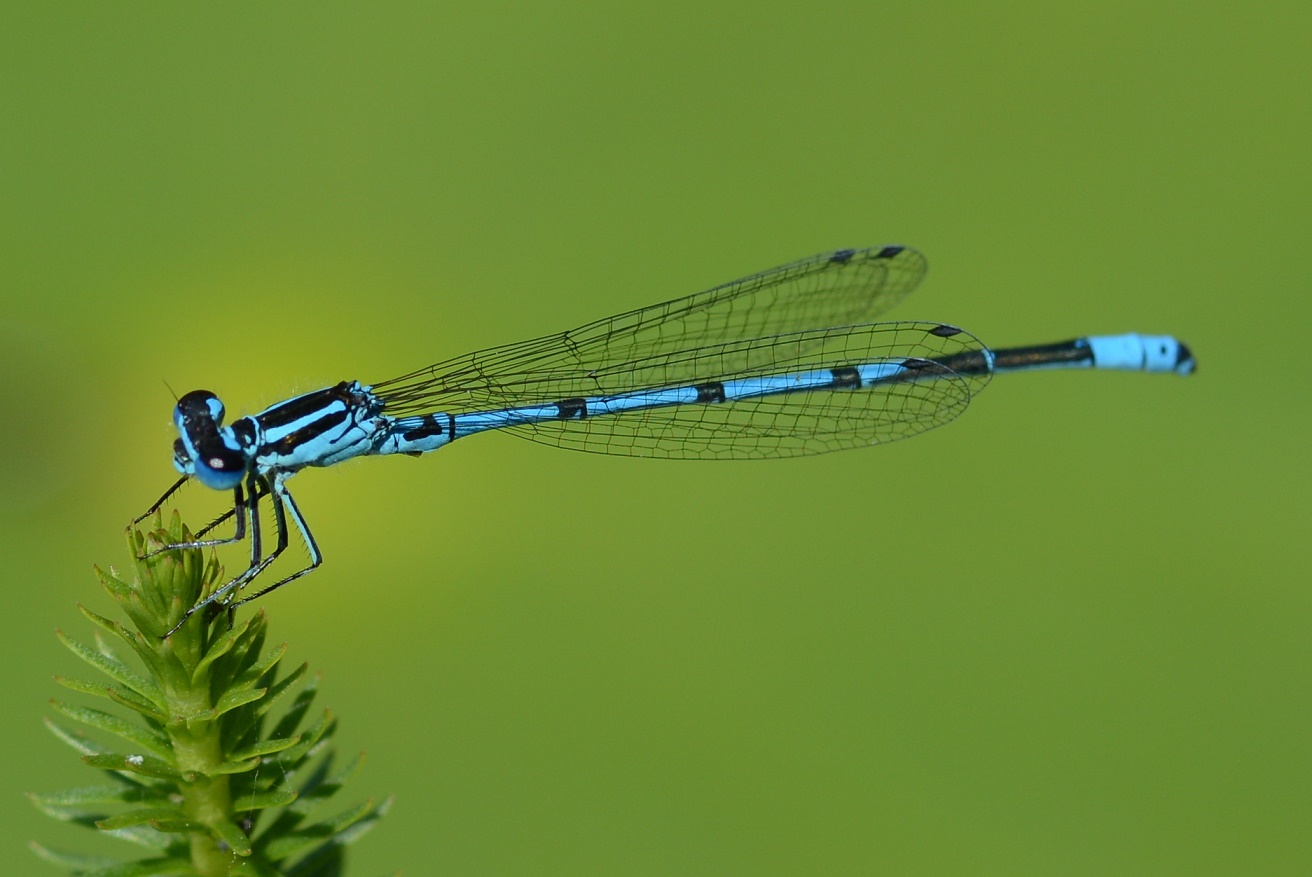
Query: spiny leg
(237, 505)
(159, 502)
(257, 541)
(316, 556)
(259, 493)
(240, 508)
(258, 562)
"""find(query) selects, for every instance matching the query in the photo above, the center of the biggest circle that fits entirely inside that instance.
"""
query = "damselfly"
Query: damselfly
(783, 363)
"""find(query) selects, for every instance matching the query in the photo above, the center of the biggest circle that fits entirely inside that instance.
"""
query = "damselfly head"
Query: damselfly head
(204, 447)
(198, 406)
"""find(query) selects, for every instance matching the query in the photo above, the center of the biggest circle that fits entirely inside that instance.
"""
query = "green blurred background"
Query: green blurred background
(1065, 635)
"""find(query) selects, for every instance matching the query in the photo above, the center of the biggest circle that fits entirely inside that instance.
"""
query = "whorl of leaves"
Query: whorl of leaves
(223, 767)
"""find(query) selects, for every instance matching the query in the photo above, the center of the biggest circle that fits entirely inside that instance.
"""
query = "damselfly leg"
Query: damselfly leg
(239, 508)
(258, 487)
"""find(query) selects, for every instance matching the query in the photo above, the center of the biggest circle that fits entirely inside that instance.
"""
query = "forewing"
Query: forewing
(834, 289)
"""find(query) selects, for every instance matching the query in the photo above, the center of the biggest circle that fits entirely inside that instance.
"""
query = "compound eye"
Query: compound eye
(198, 404)
(182, 458)
(219, 466)
(224, 460)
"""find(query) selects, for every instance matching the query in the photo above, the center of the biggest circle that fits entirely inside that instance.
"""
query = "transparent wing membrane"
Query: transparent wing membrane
(784, 424)
(777, 322)
(839, 288)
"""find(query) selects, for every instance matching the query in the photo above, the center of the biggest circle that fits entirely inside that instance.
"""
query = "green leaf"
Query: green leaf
(291, 719)
(278, 690)
(251, 675)
(233, 699)
(118, 589)
(133, 701)
(75, 815)
(231, 767)
(179, 826)
(293, 843)
(245, 651)
(264, 800)
(265, 747)
(313, 791)
(103, 646)
(80, 742)
(243, 724)
(158, 666)
(324, 788)
(105, 794)
(115, 669)
(72, 861)
(133, 733)
(84, 686)
(360, 828)
(85, 746)
(147, 837)
(302, 839)
(329, 860)
(347, 818)
(254, 867)
(141, 816)
(171, 867)
(218, 649)
(319, 786)
(292, 757)
(104, 623)
(139, 764)
(233, 836)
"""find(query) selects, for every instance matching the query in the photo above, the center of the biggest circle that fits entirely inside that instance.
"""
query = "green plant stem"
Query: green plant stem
(207, 800)
(196, 739)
